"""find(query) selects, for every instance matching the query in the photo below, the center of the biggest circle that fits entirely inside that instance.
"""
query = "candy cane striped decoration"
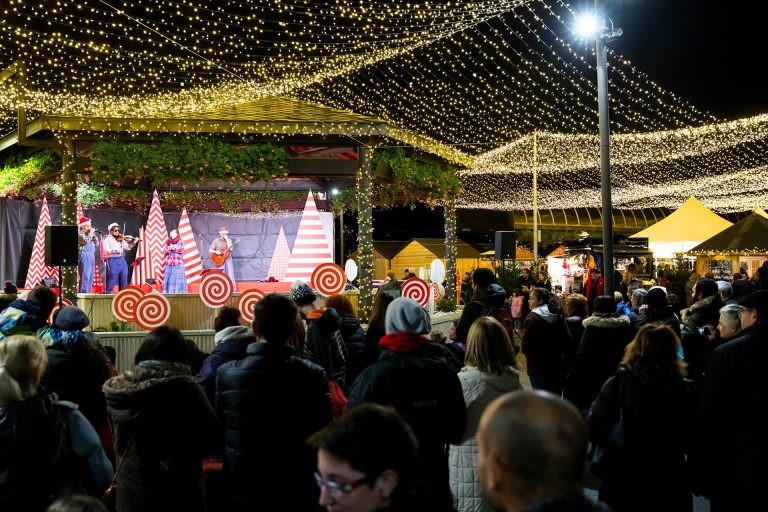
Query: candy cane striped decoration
(311, 247)
(156, 234)
(142, 271)
(193, 263)
(37, 268)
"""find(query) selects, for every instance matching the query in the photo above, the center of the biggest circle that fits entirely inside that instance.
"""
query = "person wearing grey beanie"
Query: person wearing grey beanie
(407, 316)
(414, 377)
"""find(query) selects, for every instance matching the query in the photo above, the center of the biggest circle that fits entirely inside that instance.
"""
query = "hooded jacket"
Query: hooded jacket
(600, 352)
(480, 389)
(696, 346)
(46, 448)
(326, 344)
(544, 341)
(163, 425)
(354, 339)
(231, 344)
(21, 317)
(494, 296)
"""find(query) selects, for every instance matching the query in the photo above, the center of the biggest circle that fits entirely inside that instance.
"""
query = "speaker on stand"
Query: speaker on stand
(61, 249)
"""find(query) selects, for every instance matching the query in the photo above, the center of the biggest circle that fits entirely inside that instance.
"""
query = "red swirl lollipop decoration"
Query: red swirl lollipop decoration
(64, 303)
(329, 279)
(124, 303)
(416, 289)
(152, 311)
(247, 301)
(216, 289)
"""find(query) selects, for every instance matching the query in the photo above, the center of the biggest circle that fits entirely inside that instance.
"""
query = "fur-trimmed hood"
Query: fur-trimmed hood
(607, 321)
(127, 392)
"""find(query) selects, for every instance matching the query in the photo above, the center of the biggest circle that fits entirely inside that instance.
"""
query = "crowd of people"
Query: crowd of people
(305, 410)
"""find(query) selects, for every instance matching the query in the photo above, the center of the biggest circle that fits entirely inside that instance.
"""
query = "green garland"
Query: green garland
(192, 160)
(19, 172)
(415, 181)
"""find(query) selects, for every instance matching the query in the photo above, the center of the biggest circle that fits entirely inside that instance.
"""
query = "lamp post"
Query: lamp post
(335, 192)
(594, 26)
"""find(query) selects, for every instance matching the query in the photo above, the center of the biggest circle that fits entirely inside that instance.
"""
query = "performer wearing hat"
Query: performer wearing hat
(114, 248)
(222, 247)
(87, 242)
(174, 278)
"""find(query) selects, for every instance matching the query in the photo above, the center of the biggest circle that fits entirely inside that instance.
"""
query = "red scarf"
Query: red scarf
(402, 342)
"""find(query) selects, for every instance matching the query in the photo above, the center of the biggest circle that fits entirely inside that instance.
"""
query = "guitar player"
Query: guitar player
(222, 246)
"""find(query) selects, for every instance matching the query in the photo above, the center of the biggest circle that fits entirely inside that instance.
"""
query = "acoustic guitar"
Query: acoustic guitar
(219, 259)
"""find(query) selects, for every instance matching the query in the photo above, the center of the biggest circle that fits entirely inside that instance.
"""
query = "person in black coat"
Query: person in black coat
(575, 311)
(232, 340)
(376, 329)
(353, 334)
(732, 420)
(657, 310)
(487, 295)
(270, 403)
(324, 340)
(77, 369)
(704, 311)
(413, 376)
(606, 334)
(654, 404)
(163, 427)
(545, 341)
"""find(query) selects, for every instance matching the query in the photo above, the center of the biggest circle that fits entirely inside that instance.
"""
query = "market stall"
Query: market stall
(683, 229)
(744, 245)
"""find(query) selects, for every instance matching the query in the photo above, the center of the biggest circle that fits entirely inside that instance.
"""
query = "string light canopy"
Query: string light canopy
(469, 81)
(473, 75)
(725, 165)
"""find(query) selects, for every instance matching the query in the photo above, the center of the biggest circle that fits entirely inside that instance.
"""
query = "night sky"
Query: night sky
(712, 53)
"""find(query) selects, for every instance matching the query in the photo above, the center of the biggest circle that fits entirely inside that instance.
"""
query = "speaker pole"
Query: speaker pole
(61, 288)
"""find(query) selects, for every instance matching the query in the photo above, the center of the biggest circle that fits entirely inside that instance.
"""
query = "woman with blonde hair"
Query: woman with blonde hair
(490, 371)
(47, 447)
(642, 420)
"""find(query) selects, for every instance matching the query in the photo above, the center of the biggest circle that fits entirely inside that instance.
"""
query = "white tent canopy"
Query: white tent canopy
(684, 229)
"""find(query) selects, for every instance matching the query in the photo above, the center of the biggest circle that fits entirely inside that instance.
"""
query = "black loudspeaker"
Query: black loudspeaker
(505, 245)
(61, 246)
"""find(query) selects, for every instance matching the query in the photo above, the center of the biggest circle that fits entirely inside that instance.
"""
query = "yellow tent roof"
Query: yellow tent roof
(686, 227)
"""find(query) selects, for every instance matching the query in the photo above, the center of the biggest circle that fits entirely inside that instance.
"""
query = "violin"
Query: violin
(127, 238)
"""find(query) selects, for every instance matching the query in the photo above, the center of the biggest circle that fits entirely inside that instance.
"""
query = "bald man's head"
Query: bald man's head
(532, 446)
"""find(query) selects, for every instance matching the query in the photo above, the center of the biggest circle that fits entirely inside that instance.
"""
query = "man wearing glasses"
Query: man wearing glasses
(365, 462)
(731, 445)
(114, 248)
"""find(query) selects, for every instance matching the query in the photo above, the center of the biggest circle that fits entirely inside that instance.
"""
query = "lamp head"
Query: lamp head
(587, 26)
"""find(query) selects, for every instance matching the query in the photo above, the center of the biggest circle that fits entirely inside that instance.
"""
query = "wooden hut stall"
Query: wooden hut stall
(419, 252)
(382, 258)
(745, 244)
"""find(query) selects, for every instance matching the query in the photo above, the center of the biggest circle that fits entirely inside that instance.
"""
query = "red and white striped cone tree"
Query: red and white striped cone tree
(156, 234)
(37, 268)
(311, 247)
(193, 263)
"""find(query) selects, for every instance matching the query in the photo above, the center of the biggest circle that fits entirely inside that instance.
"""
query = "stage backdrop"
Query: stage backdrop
(257, 235)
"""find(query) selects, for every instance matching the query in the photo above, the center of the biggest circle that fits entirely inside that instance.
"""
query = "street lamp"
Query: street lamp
(593, 26)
